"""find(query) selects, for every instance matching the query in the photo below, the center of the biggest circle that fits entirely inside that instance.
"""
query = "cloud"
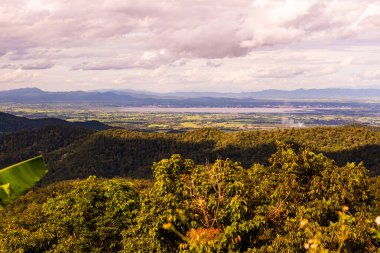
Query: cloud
(371, 75)
(196, 29)
(239, 41)
(34, 65)
(147, 60)
(213, 64)
(327, 70)
(17, 76)
(279, 72)
(259, 73)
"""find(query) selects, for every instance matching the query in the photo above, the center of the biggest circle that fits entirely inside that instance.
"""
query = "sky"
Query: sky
(189, 45)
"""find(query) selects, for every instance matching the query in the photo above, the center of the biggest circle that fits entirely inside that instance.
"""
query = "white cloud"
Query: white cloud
(371, 75)
(17, 76)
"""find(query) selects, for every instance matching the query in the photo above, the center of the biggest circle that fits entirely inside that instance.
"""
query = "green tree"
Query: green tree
(88, 218)
(222, 207)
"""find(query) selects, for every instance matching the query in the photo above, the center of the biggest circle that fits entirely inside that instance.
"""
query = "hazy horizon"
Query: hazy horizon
(183, 91)
(190, 45)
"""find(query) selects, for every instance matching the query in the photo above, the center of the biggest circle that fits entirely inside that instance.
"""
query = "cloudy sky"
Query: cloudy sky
(189, 45)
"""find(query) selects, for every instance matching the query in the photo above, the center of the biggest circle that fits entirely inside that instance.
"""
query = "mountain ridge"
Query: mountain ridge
(135, 95)
(12, 123)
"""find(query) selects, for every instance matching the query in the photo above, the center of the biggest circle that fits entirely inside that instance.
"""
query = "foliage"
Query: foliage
(297, 202)
(221, 207)
(86, 218)
(17, 179)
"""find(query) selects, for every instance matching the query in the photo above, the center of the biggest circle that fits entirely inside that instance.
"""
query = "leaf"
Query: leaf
(17, 179)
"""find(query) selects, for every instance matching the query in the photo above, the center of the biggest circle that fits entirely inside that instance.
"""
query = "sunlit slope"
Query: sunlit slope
(123, 153)
(73, 152)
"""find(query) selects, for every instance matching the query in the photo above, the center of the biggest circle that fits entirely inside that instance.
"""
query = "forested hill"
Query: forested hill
(73, 152)
(11, 123)
(19, 146)
(257, 191)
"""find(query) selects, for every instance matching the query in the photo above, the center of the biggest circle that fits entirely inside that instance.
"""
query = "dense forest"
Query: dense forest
(285, 190)
(74, 152)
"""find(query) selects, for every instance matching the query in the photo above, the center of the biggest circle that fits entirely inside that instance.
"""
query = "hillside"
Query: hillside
(120, 152)
(11, 123)
(15, 147)
(73, 152)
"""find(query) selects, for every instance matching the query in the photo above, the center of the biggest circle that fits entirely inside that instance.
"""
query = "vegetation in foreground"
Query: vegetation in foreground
(299, 201)
(18, 178)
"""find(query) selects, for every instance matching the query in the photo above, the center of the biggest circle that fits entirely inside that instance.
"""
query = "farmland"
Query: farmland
(159, 119)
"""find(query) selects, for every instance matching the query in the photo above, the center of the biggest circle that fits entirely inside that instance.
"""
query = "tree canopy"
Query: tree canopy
(298, 201)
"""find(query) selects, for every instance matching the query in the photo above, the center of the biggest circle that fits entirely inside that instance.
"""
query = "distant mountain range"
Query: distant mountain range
(180, 99)
(11, 123)
(329, 93)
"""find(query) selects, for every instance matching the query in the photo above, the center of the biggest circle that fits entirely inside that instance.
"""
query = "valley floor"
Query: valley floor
(229, 119)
